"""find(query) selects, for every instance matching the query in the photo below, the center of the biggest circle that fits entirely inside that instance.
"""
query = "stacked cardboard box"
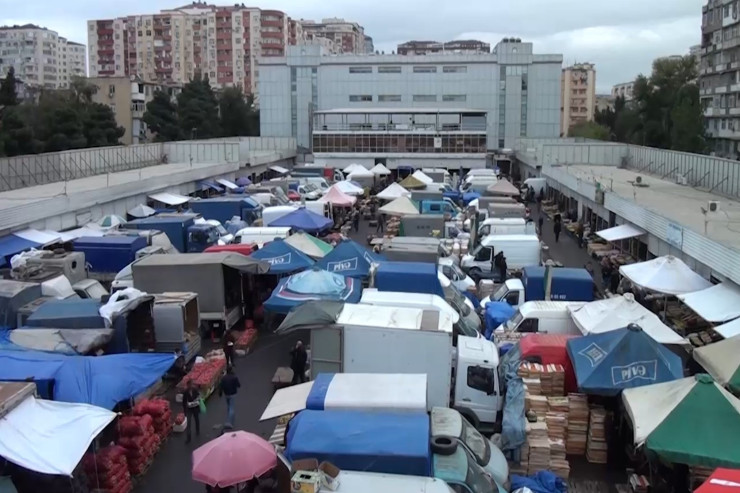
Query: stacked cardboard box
(559, 464)
(532, 386)
(557, 373)
(596, 448)
(536, 403)
(539, 447)
(557, 425)
(558, 405)
(575, 443)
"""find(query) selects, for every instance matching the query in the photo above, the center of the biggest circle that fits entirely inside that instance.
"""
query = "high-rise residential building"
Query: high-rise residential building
(346, 36)
(578, 98)
(623, 90)
(430, 47)
(40, 57)
(719, 76)
(223, 42)
(393, 106)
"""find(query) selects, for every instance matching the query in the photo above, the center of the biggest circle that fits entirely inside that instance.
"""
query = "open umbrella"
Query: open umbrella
(667, 275)
(303, 219)
(721, 361)
(350, 259)
(314, 284)
(243, 181)
(110, 221)
(320, 312)
(233, 458)
(282, 257)
(141, 211)
(308, 244)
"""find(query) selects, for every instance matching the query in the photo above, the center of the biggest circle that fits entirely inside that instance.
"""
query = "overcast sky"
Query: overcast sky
(620, 37)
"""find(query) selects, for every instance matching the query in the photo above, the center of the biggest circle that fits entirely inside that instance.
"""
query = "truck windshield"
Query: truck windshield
(514, 321)
(500, 293)
(466, 328)
(477, 443)
(477, 479)
(457, 300)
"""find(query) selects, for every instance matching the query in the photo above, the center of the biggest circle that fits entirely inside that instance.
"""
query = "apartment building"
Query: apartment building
(40, 57)
(623, 90)
(516, 92)
(430, 47)
(369, 45)
(223, 42)
(719, 76)
(127, 97)
(346, 36)
(578, 99)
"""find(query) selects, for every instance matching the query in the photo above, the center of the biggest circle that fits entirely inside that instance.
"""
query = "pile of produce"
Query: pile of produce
(161, 414)
(107, 470)
(245, 340)
(204, 375)
(140, 441)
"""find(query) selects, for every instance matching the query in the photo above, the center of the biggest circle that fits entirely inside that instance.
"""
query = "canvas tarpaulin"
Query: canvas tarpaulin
(513, 426)
(720, 303)
(392, 192)
(50, 437)
(721, 360)
(282, 257)
(312, 285)
(667, 275)
(350, 259)
(64, 341)
(321, 312)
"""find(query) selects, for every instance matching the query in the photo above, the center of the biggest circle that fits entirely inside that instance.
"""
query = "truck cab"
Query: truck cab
(201, 236)
(444, 206)
(511, 292)
(448, 267)
(548, 317)
(477, 390)
(308, 191)
(519, 250)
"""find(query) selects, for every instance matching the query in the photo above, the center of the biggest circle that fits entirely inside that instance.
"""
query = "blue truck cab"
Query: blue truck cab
(184, 234)
(385, 442)
(567, 284)
(223, 209)
(444, 206)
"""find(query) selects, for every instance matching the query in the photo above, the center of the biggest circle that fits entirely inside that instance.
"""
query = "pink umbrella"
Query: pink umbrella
(232, 458)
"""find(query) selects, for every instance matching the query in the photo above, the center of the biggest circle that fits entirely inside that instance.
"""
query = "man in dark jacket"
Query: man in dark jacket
(298, 360)
(556, 228)
(228, 388)
(229, 340)
(191, 408)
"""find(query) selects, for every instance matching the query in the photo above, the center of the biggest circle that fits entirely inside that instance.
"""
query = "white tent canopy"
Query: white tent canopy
(50, 437)
(380, 170)
(348, 188)
(730, 329)
(43, 237)
(228, 184)
(392, 192)
(402, 206)
(618, 312)
(141, 210)
(422, 177)
(667, 275)
(720, 359)
(279, 169)
(503, 187)
(719, 303)
(352, 168)
(361, 173)
(621, 232)
(169, 198)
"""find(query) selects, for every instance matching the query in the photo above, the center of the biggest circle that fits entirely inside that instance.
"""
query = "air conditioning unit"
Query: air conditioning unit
(713, 206)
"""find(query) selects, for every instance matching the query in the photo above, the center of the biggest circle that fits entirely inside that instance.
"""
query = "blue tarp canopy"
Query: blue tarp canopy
(408, 277)
(610, 362)
(350, 259)
(314, 284)
(468, 197)
(497, 312)
(206, 184)
(12, 245)
(102, 381)
(282, 257)
(392, 443)
(243, 181)
(303, 220)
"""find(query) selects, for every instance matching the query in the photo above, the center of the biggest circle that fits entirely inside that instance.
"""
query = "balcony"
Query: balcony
(138, 110)
(105, 32)
(273, 34)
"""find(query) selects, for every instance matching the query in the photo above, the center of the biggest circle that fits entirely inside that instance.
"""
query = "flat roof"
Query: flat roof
(680, 204)
(397, 111)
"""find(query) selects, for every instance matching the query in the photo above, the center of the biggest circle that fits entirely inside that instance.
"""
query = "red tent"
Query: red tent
(721, 481)
(338, 198)
(550, 349)
(243, 248)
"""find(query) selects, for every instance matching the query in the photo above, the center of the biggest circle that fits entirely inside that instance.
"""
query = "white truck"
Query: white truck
(520, 251)
(372, 339)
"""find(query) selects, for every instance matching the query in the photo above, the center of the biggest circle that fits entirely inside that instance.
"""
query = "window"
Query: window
(528, 325)
(425, 69)
(389, 70)
(484, 254)
(387, 98)
(513, 298)
(425, 98)
(454, 69)
(454, 97)
(363, 98)
(480, 378)
(360, 70)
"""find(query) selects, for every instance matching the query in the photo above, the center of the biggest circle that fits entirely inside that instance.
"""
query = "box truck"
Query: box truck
(566, 284)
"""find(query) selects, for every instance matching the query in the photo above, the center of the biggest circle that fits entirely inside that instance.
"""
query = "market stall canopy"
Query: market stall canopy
(44, 238)
(141, 211)
(350, 259)
(98, 380)
(303, 220)
(50, 437)
(380, 170)
(320, 312)
(337, 198)
(718, 303)
(730, 329)
(392, 192)
(226, 183)
(621, 232)
(236, 261)
(349, 188)
(234, 457)
(402, 206)
(314, 284)
(422, 177)
(615, 313)
(721, 481)
(667, 275)
(352, 168)
(503, 187)
(110, 221)
(169, 198)
(360, 173)
(691, 421)
(279, 169)
(608, 363)
(308, 244)
(412, 183)
(721, 360)
(282, 257)
(211, 185)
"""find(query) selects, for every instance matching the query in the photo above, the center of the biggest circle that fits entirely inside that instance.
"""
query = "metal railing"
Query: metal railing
(399, 128)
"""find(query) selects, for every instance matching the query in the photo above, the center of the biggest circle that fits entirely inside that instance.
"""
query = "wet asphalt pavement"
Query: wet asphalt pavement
(171, 468)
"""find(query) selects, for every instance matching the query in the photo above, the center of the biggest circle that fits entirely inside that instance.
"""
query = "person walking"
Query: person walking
(228, 347)
(228, 388)
(540, 222)
(298, 360)
(191, 408)
(356, 221)
(379, 225)
(556, 228)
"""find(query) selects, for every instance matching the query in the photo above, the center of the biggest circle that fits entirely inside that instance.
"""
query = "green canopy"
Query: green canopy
(412, 183)
(691, 421)
(311, 313)
(308, 244)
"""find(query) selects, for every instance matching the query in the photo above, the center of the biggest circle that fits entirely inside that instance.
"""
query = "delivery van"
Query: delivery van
(506, 226)
(260, 236)
(520, 251)
(548, 317)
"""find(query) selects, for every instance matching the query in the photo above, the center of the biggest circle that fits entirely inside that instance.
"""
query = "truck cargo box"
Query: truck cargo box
(109, 254)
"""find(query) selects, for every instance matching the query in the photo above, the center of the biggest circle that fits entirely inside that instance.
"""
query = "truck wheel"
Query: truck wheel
(443, 445)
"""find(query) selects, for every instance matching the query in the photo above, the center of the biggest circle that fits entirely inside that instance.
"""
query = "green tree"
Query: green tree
(161, 117)
(16, 136)
(8, 96)
(237, 113)
(589, 130)
(687, 130)
(197, 109)
(100, 127)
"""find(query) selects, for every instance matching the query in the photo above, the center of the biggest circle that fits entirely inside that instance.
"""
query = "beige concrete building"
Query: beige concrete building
(40, 57)
(578, 95)
(127, 97)
(604, 101)
(623, 90)
(345, 36)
